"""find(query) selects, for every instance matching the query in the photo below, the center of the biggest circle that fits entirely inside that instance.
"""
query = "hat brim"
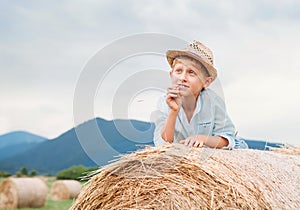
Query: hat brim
(172, 54)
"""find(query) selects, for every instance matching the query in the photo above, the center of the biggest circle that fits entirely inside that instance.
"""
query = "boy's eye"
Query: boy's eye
(192, 72)
(178, 70)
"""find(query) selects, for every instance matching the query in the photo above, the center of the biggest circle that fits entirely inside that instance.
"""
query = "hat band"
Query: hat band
(195, 54)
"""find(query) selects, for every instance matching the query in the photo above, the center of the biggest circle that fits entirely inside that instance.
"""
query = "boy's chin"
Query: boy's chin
(186, 93)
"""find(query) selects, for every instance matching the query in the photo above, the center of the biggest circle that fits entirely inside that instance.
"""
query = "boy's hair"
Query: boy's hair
(203, 68)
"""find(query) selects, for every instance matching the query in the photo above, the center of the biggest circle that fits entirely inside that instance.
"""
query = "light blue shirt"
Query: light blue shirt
(210, 118)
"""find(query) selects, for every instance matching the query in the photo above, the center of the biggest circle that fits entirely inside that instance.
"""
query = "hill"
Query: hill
(17, 142)
(65, 151)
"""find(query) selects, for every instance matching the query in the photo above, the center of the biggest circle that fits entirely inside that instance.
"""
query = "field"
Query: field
(50, 204)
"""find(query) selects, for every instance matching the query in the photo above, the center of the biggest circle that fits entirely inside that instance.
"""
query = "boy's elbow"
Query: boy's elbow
(223, 142)
(167, 138)
(158, 141)
(226, 142)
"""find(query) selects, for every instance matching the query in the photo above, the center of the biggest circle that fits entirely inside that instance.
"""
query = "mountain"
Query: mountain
(92, 143)
(66, 150)
(17, 142)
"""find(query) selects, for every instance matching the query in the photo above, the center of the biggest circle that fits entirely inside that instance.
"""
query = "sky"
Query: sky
(46, 45)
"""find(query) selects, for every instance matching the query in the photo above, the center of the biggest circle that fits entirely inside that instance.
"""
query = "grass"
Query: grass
(50, 204)
(54, 205)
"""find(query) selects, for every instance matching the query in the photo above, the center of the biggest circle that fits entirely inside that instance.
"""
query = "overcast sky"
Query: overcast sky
(45, 46)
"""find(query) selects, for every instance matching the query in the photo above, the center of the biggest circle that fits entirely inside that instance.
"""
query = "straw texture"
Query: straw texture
(287, 149)
(23, 192)
(177, 177)
(65, 189)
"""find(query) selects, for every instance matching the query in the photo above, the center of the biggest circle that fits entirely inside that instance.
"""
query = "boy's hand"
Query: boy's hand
(195, 141)
(174, 99)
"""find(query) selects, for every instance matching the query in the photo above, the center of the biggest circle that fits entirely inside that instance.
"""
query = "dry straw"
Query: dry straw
(23, 192)
(176, 177)
(287, 149)
(65, 189)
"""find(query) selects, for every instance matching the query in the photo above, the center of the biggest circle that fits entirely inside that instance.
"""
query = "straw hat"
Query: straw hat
(199, 52)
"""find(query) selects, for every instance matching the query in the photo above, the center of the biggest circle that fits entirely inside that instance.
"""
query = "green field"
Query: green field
(50, 204)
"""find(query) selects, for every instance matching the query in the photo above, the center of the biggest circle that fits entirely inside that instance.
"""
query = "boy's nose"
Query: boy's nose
(182, 77)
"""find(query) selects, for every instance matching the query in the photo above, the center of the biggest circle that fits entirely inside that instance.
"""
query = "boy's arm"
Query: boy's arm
(217, 142)
(168, 130)
(159, 117)
(166, 115)
(174, 102)
(201, 140)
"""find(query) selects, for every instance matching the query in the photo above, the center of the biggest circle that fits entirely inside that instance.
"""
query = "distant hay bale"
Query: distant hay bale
(65, 189)
(23, 192)
(177, 177)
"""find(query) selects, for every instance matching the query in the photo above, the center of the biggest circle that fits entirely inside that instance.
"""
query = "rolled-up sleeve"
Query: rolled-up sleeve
(223, 125)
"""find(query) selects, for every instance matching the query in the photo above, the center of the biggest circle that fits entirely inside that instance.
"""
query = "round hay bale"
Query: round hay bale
(65, 189)
(287, 149)
(23, 192)
(177, 177)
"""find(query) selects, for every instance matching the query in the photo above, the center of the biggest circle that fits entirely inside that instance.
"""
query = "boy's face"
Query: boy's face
(189, 77)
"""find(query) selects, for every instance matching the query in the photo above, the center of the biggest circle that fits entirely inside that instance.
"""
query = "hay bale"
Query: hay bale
(23, 192)
(177, 177)
(65, 189)
(287, 149)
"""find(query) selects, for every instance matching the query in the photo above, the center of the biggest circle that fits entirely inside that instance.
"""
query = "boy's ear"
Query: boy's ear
(170, 73)
(208, 81)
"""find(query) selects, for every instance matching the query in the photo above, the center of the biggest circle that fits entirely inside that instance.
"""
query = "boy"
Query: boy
(190, 113)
